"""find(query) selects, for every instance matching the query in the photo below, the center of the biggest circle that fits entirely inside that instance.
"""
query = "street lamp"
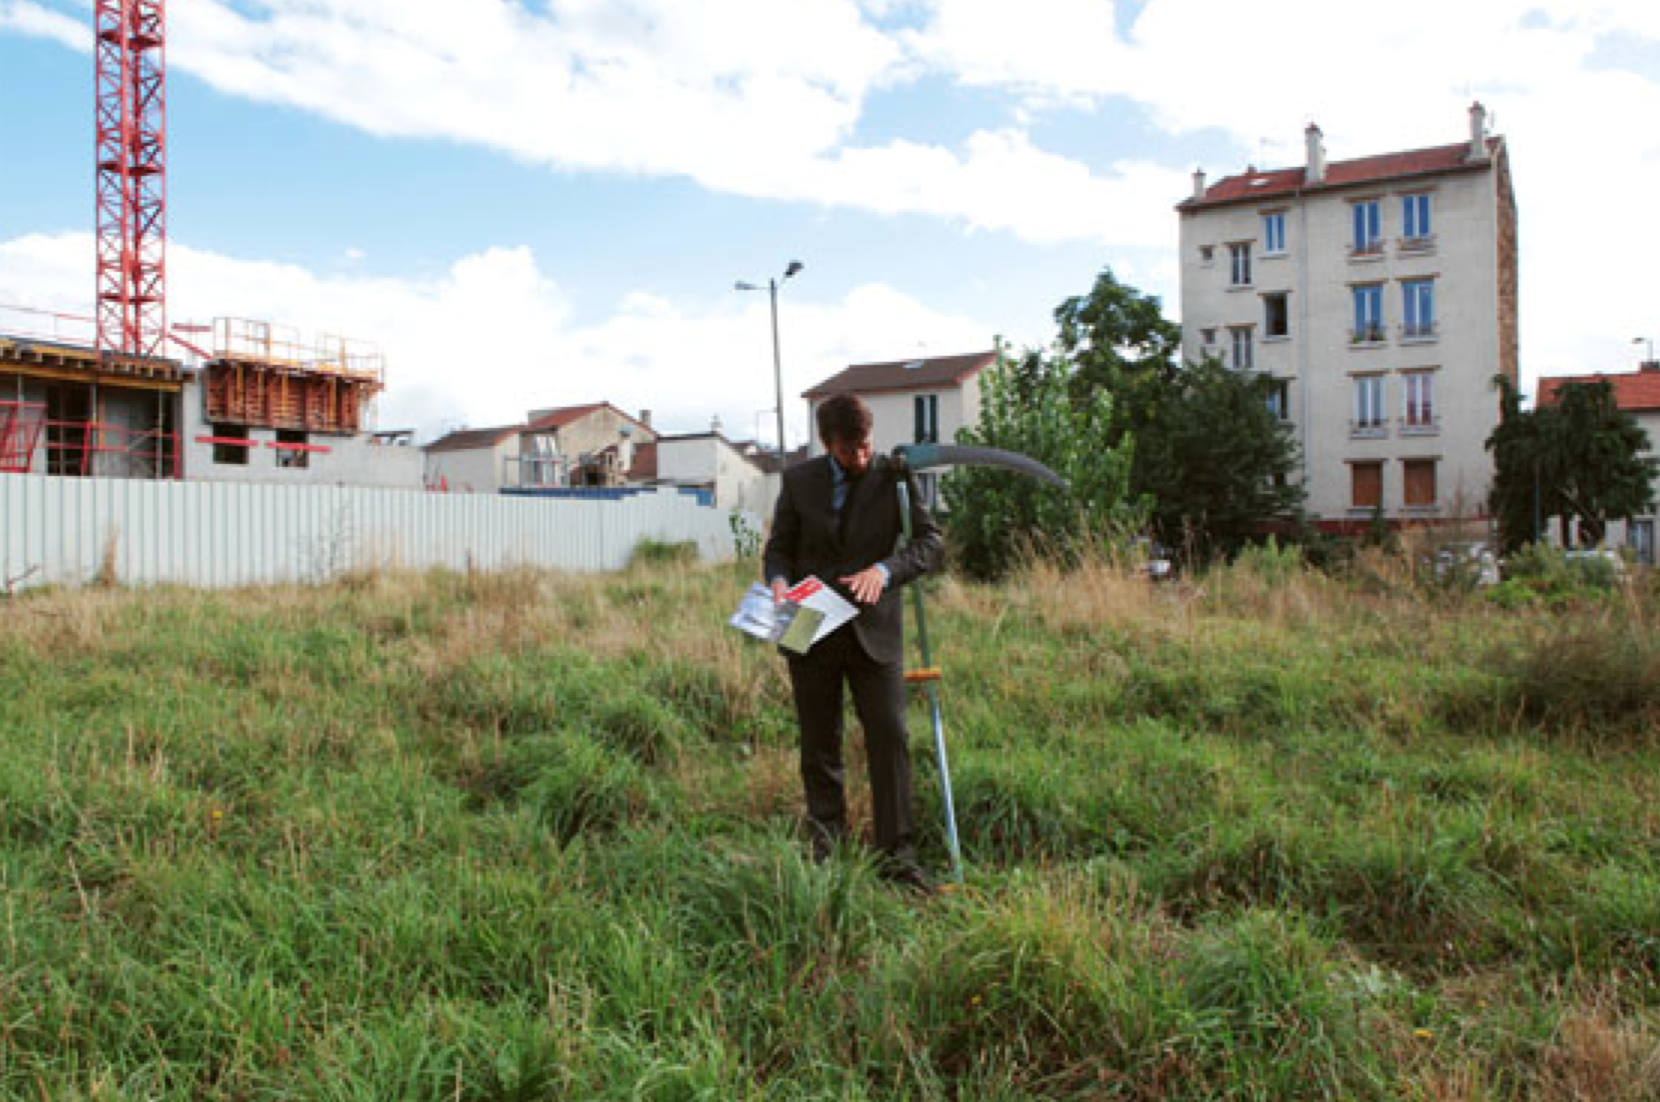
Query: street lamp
(771, 288)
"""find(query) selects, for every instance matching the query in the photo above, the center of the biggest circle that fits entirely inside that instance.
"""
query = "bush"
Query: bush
(663, 553)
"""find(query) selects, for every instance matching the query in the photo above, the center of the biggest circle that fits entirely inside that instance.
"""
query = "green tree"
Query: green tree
(1027, 405)
(1214, 460)
(1579, 458)
(1123, 345)
(1210, 457)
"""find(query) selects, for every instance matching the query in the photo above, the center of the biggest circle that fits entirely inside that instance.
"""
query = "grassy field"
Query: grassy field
(1258, 835)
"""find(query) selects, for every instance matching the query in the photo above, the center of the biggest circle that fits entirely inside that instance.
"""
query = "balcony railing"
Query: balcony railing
(1418, 331)
(1370, 333)
(1421, 426)
(1422, 244)
(1368, 429)
(1370, 247)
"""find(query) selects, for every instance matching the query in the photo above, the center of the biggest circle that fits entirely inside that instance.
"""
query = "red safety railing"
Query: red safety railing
(21, 424)
(77, 448)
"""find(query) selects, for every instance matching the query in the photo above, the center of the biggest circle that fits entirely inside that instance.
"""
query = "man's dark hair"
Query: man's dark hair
(843, 417)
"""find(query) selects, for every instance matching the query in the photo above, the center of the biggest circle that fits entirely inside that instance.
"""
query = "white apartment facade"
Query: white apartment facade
(1380, 295)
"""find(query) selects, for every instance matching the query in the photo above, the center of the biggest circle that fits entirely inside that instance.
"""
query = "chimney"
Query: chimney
(1198, 183)
(1478, 132)
(1315, 173)
(645, 418)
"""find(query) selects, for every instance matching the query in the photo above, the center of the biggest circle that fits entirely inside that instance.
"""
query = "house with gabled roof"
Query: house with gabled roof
(1638, 393)
(911, 401)
(584, 445)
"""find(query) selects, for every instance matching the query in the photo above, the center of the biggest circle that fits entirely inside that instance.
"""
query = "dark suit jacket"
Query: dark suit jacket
(806, 540)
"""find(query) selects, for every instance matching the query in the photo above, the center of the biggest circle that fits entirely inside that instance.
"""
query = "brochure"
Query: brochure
(810, 611)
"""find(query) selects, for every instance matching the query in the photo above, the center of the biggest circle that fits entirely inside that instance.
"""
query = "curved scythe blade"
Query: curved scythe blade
(921, 457)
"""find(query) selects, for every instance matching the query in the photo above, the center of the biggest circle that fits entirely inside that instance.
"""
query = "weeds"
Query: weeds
(1258, 833)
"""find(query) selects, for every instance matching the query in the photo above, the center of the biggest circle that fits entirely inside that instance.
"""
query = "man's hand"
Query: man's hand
(867, 585)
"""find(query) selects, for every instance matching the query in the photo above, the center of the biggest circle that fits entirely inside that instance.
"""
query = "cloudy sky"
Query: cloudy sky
(535, 204)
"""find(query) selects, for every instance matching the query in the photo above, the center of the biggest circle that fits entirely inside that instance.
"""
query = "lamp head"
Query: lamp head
(794, 267)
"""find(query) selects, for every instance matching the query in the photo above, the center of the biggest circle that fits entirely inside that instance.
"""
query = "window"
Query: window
(1418, 308)
(1208, 336)
(1207, 253)
(1240, 336)
(1368, 402)
(1273, 233)
(927, 410)
(1418, 396)
(231, 445)
(292, 458)
(1418, 482)
(1368, 237)
(1415, 222)
(928, 488)
(1279, 399)
(1639, 536)
(1366, 485)
(1368, 312)
(1240, 256)
(1276, 321)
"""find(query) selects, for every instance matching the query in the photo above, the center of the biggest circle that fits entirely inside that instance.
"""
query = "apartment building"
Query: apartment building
(1380, 296)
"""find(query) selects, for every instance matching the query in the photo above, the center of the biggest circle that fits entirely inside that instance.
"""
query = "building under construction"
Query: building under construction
(256, 405)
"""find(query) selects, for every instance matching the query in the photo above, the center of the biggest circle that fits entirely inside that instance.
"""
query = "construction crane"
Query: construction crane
(132, 177)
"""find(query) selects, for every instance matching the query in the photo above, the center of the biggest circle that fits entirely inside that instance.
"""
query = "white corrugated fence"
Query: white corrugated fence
(69, 530)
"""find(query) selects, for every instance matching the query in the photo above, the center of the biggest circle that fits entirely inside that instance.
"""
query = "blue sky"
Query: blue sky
(527, 205)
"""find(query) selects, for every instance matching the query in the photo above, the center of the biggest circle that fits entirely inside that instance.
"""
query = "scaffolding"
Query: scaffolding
(261, 374)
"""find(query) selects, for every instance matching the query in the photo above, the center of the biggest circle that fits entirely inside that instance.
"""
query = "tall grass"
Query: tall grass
(1259, 833)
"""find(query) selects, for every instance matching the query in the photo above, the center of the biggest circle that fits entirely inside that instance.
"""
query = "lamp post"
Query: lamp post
(771, 288)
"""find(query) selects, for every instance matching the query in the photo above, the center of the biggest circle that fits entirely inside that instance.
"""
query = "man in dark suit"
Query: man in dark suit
(838, 518)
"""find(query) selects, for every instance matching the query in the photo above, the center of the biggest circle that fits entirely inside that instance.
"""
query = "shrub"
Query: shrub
(649, 552)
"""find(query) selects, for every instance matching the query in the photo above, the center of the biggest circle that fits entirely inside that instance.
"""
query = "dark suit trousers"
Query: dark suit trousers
(879, 700)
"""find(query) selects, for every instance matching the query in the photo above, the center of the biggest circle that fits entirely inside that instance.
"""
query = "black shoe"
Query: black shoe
(910, 876)
(825, 840)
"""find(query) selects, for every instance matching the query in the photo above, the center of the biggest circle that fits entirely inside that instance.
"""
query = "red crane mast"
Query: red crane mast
(132, 177)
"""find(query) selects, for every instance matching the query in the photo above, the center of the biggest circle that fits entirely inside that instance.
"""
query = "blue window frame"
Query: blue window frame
(1415, 220)
(1418, 308)
(1368, 233)
(1368, 312)
(1240, 261)
(1273, 232)
(1240, 336)
(1369, 402)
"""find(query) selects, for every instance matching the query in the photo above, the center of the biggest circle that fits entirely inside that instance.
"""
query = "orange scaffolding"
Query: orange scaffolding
(260, 374)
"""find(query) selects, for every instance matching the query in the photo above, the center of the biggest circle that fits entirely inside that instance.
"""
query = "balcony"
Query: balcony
(1420, 426)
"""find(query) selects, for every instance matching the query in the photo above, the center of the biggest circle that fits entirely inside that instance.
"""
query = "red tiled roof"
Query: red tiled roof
(565, 415)
(1251, 186)
(468, 439)
(1633, 390)
(904, 375)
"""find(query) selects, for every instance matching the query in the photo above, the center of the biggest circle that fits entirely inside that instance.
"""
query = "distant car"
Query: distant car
(1471, 561)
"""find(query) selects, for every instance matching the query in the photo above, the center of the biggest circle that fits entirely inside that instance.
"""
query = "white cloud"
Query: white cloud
(32, 19)
(494, 337)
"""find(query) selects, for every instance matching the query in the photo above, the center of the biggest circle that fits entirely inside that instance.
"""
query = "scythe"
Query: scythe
(920, 457)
